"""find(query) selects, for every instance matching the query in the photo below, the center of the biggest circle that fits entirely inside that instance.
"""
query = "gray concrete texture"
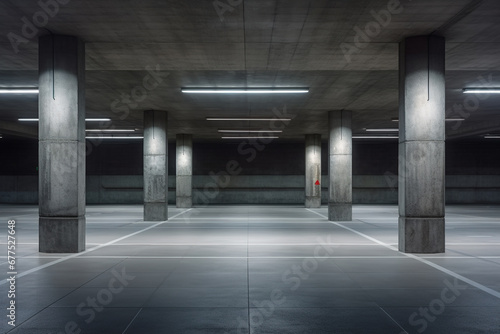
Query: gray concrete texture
(340, 166)
(313, 171)
(155, 165)
(259, 43)
(61, 144)
(421, 145)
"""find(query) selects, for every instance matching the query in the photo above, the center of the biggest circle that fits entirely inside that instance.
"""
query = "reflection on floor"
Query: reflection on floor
(255, 269)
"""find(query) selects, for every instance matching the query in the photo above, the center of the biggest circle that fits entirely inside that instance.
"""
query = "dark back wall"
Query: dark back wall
(114, 171)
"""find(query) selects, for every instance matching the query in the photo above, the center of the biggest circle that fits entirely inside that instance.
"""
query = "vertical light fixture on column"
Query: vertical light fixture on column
(61, 144)
(422, 145)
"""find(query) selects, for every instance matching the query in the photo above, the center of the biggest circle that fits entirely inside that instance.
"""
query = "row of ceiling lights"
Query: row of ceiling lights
(195, 90)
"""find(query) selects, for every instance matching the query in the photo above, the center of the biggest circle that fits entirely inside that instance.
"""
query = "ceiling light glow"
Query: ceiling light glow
(261, 90)
(483, 90)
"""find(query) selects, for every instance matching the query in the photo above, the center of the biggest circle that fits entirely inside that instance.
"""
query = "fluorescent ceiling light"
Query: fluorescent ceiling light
(259, 137)
(115, 137)
(375, 137)
(247, 119)
(110, 130)
(251, 131)
(492, 137)
(451, 119)
(261, 90)
(483, 90)
(87, 119)
(98, 119)
(381, 130)
(19, 90)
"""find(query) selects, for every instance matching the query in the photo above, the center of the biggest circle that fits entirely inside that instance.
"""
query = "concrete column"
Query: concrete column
(155, 166)
(421, 144)
(313, 171)
(61, 144)
(184, 171)
(340, 166)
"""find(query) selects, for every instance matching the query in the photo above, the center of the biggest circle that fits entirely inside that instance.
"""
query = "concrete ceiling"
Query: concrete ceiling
(259, 43)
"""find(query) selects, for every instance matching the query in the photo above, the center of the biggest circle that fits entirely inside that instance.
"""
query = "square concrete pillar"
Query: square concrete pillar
(61, 144)
(422, 145)
(184, 171)
(340, 166)
(155, 165)
(313, 171)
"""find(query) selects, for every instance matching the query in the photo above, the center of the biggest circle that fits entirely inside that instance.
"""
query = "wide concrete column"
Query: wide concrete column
(340, 166)
(313, 171)
(155, 165)
(184, 171)
(61, 144)
(421, 145)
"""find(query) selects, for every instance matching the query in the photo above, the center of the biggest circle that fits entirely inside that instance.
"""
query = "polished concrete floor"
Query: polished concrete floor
(255, 269)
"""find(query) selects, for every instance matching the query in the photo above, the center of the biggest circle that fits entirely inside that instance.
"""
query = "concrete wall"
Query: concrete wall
(276, 175)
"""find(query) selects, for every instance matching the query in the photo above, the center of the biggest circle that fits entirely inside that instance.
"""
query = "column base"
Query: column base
(421, 235)
(313, 202)
(184, 202)
(339, 212)
(155, 212)
(61, 235)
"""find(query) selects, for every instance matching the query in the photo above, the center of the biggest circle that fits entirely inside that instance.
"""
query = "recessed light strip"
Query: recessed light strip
(256, 137)
(381, 130)
(375, 137)
(260, 90)
(110, 130)
(19, 90)
(483, 90)
(453, 119)
(268, 119)
(114, 137)
(87, 119)
(250, 131)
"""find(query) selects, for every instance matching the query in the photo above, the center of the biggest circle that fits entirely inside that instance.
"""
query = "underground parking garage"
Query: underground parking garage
(250, 166)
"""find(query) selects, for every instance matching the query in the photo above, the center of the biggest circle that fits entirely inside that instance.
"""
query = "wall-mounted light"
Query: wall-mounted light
(494, 136)
(256, 90)
(250, 131)
(266, 119)
(18, 90)
(482, 90)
